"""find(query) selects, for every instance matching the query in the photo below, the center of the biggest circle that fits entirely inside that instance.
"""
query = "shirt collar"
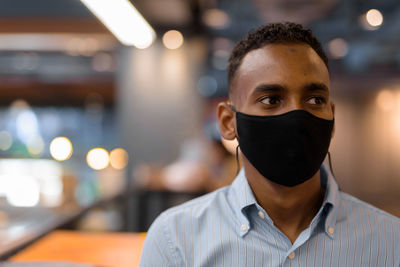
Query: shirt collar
(242, 198)
(331, 201)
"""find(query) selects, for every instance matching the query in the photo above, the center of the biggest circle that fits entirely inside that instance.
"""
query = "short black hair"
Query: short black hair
(287, 32)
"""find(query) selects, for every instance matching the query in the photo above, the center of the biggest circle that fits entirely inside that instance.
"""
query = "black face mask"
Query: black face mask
(287, 149)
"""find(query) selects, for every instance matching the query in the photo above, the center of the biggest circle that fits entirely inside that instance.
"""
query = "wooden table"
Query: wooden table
(104, 249)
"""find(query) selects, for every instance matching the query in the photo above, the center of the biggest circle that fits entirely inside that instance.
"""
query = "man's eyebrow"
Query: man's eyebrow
(316, 87)
(269, 87)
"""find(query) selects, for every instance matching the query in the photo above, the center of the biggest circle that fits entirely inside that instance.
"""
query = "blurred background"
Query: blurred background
(107, 119)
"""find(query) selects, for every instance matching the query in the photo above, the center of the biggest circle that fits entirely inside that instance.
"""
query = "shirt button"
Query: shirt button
(331, 230)
(243, 227)
(261, 214)
(291, 255)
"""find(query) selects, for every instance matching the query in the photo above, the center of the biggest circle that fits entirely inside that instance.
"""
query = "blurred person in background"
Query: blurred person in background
(202, 166)
(284, 207)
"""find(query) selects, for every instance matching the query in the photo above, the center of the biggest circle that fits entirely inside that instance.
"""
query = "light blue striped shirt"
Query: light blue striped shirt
(228, 228)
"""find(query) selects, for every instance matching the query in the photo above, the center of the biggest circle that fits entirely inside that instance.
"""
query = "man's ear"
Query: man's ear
(333, 112)
(226, 121)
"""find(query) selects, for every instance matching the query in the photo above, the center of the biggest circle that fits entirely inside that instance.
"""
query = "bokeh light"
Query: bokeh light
(26, 124)
(220, 59)
(374, 17)
(61, 148)
(207, 86)
(23, 191)
(216, 18)
(98, 158)
(338, 48)
(172, 39)
(35, 145)
(119, 158)
(6, 140)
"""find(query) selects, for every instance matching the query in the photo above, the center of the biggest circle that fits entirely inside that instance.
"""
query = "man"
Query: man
(284, 208)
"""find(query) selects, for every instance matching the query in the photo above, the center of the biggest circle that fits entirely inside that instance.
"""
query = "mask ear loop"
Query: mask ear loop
(232, 107)
(237, 148)
(237, 160)
(330, 163)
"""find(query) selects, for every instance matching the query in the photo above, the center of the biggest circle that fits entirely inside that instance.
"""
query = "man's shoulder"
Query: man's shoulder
(173, 228)
(196, 208)
(367, 208)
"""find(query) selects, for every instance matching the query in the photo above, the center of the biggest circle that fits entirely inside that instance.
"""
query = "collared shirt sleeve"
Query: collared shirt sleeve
(158, 249)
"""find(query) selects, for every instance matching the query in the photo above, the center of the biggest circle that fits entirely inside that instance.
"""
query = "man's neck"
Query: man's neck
(290, 208)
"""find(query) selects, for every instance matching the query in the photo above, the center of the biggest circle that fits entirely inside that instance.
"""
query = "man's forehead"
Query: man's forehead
(279, 63)
(274, 54)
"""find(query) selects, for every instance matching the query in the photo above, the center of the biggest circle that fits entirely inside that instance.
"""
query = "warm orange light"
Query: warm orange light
(374, 17)
(61, 148)
(119, 158)
(216, 18)
(172, 39)
(98, 158)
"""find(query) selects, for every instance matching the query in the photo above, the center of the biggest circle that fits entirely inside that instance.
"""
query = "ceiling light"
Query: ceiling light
(123, 20)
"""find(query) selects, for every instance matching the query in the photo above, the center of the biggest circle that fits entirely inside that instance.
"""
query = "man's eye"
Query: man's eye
(270, 100)
(316, 100)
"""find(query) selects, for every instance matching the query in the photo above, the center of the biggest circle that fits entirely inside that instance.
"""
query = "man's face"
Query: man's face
(278, 78)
